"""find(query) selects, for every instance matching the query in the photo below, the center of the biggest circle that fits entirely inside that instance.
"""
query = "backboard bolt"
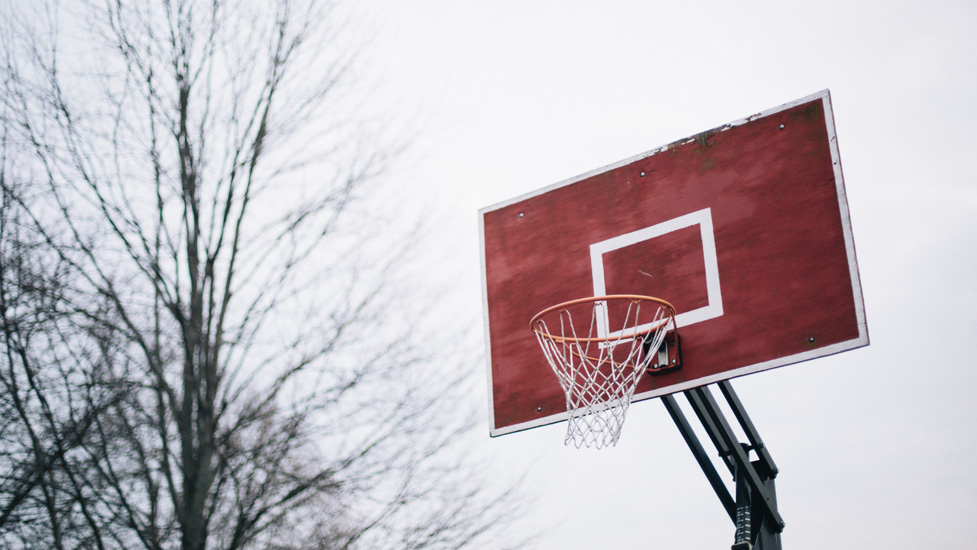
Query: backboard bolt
(811, 339)
(520, 214)
(642, 174)
(781, 126)
(539, 409)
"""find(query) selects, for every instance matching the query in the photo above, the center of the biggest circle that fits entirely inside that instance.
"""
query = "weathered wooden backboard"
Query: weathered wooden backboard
(744, 228)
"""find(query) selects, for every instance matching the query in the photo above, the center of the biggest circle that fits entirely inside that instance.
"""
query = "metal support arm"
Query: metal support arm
(754, 510)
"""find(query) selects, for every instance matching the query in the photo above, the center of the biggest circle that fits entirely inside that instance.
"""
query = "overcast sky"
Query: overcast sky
(876, 446)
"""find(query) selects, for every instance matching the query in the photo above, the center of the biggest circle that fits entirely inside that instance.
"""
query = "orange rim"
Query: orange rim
(635, 298)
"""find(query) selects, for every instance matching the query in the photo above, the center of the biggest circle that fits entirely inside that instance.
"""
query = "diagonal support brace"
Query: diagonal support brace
(755, 494)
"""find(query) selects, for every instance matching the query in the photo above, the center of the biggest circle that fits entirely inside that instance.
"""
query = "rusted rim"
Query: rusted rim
(636, 298)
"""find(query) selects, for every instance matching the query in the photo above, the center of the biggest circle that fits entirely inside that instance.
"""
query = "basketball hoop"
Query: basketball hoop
(599, 347)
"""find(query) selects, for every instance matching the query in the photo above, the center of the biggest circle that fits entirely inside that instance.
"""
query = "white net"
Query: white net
(599, 348)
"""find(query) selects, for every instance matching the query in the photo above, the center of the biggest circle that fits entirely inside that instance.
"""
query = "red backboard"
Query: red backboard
(744, 228)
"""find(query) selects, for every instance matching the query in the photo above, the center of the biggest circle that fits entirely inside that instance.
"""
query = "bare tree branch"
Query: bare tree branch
(202, 346)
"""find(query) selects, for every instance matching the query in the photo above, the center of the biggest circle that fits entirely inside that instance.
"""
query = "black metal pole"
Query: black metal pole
(757, 490)
(754, 510)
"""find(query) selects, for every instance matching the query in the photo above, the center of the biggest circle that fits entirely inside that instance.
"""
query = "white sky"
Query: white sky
(875, 446)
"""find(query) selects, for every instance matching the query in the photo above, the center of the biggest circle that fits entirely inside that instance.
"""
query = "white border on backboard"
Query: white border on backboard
(702, 218)
(861, 340)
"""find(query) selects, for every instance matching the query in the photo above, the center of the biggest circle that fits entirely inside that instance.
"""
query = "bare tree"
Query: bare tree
(199, 349)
